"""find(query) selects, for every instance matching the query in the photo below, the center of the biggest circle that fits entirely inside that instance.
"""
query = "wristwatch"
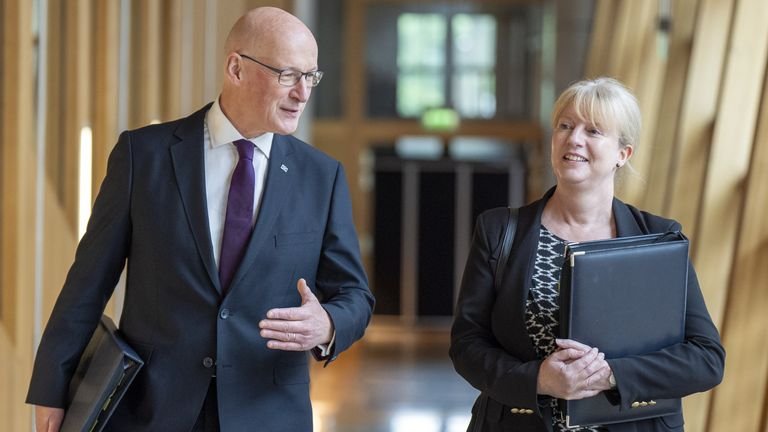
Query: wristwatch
(612, 381)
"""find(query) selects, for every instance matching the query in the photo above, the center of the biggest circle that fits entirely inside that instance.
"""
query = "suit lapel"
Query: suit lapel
(189, 168)
(626, 224)
(280, 175)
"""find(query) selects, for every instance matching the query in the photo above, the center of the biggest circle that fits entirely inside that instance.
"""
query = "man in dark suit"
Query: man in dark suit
(221, 306)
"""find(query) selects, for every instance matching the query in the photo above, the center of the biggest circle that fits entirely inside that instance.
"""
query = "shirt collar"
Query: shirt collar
(222, 131)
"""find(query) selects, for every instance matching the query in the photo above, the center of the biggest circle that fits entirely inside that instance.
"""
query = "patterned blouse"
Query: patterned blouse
(542, 310)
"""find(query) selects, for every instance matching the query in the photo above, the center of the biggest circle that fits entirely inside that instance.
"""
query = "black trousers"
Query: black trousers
(208, 420)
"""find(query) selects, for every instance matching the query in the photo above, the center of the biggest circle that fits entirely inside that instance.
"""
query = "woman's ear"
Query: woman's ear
(624, 154)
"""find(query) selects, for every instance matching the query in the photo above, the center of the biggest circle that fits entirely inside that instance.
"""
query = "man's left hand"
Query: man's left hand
(298, 328)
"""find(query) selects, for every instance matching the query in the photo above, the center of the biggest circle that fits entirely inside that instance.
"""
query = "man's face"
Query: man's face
(272, 106)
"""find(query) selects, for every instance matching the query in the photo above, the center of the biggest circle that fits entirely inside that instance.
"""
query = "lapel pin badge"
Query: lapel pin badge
(284, 168)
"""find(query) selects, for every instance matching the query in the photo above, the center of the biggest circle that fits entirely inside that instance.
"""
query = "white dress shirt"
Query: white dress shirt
(220, 160)
(221, 157)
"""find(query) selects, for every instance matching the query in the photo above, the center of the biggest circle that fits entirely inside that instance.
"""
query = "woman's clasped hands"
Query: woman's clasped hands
(574, 371)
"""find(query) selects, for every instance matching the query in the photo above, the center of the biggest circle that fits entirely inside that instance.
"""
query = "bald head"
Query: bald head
(261, 45)
(263, 30)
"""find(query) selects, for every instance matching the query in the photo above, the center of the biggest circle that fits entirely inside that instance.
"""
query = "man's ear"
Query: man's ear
(234, 70)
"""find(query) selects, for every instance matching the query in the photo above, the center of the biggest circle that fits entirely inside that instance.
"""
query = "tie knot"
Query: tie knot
(244, 148)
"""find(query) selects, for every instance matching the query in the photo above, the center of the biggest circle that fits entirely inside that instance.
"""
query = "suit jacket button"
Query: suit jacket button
(643, 404)
(514, 410)
(652, 402)
(208, 362)
(529, 411)
(635, 404)
(224, 314)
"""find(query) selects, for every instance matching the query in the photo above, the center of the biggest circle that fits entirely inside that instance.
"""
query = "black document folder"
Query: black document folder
(106, 369)
(625, 296)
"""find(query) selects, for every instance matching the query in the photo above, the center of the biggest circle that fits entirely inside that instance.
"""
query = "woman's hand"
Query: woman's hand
(574, 371)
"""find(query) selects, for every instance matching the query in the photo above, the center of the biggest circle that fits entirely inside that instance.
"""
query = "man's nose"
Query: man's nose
(302, 89)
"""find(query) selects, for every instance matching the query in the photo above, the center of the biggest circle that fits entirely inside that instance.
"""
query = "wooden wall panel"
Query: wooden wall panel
(106, 51)
(603, 27)
(145, 63)
(730, 153)
(2, 160)
(173, 67)
(662, 140)
(739, 403)
(647, 72)
(634, 59)
(699, 105)
(17, 144)
(731, 150)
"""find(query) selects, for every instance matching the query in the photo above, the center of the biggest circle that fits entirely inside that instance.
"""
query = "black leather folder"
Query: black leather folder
(106, 369)
(625, 296)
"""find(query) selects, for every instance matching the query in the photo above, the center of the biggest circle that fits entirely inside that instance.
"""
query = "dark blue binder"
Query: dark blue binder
(626, 296)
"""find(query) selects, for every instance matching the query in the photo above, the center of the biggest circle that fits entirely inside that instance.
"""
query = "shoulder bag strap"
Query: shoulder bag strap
(506, 246)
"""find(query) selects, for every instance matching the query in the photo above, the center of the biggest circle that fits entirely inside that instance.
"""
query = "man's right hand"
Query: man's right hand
(48, 419)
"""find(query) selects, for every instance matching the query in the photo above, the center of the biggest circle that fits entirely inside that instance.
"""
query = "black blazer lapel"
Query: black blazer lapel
(626, 224)
(189, 168)
(280, 174)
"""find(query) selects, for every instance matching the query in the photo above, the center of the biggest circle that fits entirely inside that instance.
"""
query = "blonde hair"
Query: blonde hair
(604, 102)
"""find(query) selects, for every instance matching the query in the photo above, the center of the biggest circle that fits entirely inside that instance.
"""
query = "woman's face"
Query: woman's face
(584, 153)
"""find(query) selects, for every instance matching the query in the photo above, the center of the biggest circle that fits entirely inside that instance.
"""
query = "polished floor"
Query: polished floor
(398, 378)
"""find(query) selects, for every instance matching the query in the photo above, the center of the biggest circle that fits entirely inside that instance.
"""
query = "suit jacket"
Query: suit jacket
(151, 211)
(491, 349)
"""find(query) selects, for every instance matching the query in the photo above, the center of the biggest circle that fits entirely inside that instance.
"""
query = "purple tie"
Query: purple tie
(237, 225)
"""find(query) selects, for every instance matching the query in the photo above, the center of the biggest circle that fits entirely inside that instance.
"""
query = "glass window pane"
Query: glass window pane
(474, 40)
(421, 40)
(474, 94)
(326, 98)
(418, 91)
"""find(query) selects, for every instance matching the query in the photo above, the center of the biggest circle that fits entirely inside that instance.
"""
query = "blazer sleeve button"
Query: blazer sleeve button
(514, 410)
(635, 404)
(208, 362)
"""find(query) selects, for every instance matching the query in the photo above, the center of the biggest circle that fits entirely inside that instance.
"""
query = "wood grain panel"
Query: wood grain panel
(699, 106)
(645, 77)
(146, 41)
(633, 19)
(739, 403)
(730, 153)
(106, 47)
(600, 39)
(663, 138)
(17, 144)
(173, 66)
(731, 149)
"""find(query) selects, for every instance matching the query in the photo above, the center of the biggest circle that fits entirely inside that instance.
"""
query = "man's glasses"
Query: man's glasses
(290, 77)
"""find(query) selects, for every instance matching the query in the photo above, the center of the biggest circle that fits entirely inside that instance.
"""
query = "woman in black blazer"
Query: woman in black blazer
(503, 341)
